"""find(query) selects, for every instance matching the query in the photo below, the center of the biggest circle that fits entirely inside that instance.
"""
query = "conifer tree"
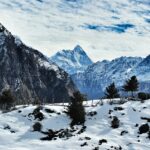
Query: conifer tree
(131, 85)
(111, 91)
(76, 109)
(7, 99)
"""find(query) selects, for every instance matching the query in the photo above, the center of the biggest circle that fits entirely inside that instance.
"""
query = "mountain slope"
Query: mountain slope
(72, 61)
(29, 74)
(16, 128)
(142, 70)
(96, 77)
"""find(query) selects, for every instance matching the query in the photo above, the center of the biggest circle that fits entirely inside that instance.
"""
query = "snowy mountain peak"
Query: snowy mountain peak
(97, 76)
(4, 31)
(79, 49)
(72, 61)
(146, 61)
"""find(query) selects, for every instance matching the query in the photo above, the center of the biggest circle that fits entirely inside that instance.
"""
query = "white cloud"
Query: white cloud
(54, 25)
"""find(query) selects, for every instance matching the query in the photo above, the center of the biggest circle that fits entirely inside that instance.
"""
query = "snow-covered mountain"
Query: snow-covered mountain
(96, 77)
(72, 61)
(142, 70)
(29, 74)
(16, 131)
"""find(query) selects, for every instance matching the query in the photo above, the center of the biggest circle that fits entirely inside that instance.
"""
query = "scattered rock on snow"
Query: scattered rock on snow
(143, 128)
(147, 119)
(84, 144)
(87, 138)
(118, 108)
(82, 130)
(123, 132)
(92, 113)
(50, 110)
(96, 148)
(37, 127)
(115, 122)
(102, 141)
(37, 114)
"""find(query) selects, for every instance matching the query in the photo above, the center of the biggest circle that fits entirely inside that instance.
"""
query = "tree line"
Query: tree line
(75, 109)
(131, 86)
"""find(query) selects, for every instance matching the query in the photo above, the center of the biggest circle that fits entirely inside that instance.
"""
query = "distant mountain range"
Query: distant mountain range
(72, 61)
(92, 78)
(29, 74)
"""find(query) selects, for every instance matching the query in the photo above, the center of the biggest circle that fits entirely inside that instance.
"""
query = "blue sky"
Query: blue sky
(105, 29)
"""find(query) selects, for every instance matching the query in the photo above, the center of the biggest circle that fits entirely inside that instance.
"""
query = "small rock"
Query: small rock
(123, 132)
(96, 148)
(118, 108)
(87, 138)
(102, 141)
(143, 128)
(84, 144)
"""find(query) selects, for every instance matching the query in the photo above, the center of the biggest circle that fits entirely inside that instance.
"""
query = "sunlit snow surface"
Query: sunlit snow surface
(106, 29)
(98, 127)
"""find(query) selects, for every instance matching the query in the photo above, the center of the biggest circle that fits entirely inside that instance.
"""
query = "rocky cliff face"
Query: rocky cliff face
(29, 74)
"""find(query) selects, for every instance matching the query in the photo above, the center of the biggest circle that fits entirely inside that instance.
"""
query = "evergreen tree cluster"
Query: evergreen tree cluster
(131, 85)
(76, 109)
(111, 91)
(6, 100)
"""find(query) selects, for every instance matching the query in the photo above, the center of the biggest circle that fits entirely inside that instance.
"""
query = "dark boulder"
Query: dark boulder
(102, 141)
(144, 128)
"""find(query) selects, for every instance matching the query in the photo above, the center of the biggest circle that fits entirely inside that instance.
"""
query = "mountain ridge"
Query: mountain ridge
(99, 75)
(72, 61)
(29, 74)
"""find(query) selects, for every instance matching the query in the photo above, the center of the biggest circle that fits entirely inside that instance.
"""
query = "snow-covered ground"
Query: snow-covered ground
(20, 136)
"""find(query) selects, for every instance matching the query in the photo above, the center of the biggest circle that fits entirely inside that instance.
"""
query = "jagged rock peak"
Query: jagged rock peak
(79, 49)
(72, 61)
(4, 30)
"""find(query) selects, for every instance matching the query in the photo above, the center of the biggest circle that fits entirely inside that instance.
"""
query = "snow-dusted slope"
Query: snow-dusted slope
(16, 132)
(72, 61)
(142, 70)
(96, 77)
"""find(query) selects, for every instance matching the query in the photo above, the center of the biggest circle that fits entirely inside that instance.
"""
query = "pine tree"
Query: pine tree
(7, 99)
(131, 85)
(111, 91)
(76, 109)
